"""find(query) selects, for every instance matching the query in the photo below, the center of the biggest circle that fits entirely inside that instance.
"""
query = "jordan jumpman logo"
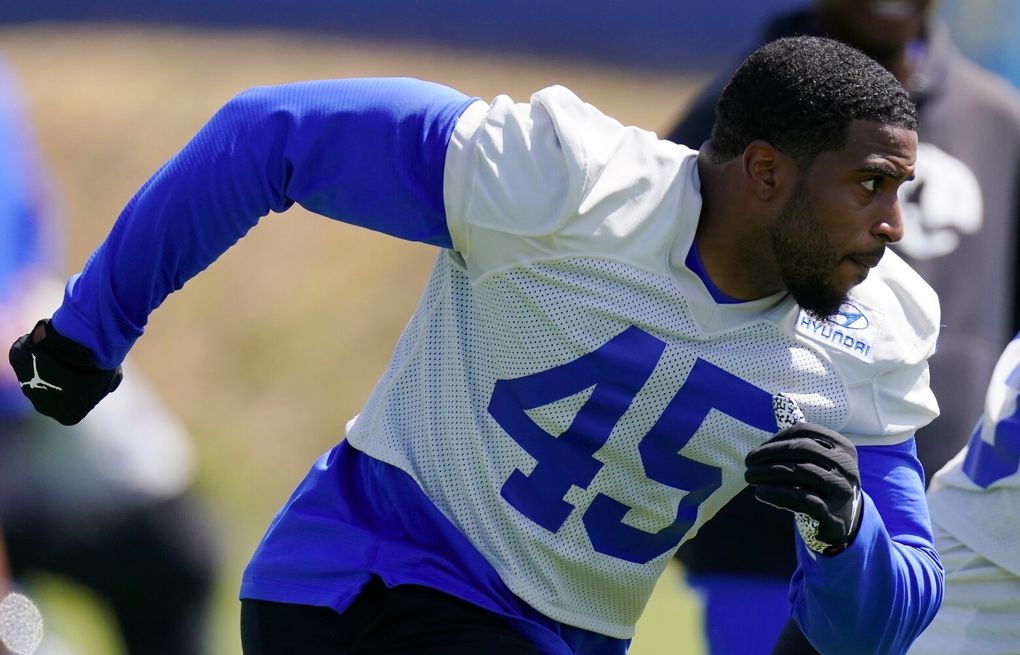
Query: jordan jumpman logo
(37, 382)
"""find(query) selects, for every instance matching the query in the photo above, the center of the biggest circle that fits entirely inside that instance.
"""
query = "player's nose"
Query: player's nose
(889, 225)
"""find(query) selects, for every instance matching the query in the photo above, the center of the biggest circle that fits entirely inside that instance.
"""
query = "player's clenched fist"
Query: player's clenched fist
(811, 471)
(59, 375)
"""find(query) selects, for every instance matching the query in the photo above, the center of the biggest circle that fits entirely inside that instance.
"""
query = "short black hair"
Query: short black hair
(800, 94)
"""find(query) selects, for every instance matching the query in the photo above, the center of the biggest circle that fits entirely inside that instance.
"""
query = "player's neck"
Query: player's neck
(731, 239)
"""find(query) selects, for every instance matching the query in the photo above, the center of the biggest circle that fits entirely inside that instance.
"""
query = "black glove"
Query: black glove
(811, 471)
(58, 375)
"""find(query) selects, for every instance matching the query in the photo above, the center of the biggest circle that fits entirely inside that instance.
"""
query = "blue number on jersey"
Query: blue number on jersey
(986, 462)
(617, 371)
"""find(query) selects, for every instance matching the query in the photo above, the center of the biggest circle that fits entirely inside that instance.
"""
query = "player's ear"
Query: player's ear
(767, 170)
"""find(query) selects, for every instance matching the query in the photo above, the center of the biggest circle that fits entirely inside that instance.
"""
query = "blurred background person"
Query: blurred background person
(106, 503)
(962, 224)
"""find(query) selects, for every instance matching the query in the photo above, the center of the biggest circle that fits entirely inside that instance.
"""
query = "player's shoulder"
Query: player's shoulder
(907, 307)
(895, 282)
(878, 343)
(558, 98)
(889, 320)
(576, 124)
(556, 101)
(556, 174)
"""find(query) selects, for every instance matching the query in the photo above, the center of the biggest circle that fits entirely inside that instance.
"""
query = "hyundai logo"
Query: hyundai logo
(849, 317)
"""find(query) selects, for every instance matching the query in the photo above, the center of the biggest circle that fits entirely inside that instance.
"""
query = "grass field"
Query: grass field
(265, 355)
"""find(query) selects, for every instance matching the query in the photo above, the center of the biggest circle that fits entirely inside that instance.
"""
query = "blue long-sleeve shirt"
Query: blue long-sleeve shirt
(372, 153)
(369, 152)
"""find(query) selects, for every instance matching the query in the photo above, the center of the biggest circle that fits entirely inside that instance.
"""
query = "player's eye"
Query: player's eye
(870, 184)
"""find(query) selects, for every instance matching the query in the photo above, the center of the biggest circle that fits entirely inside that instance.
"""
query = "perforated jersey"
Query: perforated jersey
(590, 405)
(976, 494)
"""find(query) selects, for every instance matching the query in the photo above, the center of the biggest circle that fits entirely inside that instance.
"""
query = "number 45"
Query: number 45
(618, 370)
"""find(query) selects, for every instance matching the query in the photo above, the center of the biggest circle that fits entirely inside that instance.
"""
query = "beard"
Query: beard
(806, 258)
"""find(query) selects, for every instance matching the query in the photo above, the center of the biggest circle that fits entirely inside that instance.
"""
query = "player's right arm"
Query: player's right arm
(868, 566)
(369, 152)
(887, 585)
(883, 583)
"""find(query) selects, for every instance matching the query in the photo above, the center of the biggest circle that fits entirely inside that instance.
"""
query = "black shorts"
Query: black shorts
(402, 619)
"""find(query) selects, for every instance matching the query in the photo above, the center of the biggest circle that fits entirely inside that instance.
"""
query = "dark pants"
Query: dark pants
(402, 619)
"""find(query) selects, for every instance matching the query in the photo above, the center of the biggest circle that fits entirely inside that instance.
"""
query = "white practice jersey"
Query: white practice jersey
(976, 495)
(589, 404)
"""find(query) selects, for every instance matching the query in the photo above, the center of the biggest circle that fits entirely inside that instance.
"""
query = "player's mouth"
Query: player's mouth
(869, 260)
(863, 264)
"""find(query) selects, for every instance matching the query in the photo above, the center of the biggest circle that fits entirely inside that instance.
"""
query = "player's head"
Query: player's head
(801, 94)
(846, 130)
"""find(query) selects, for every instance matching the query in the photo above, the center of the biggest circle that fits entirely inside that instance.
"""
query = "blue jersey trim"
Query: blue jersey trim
(368, 152)
(354, 517)
(694, 263)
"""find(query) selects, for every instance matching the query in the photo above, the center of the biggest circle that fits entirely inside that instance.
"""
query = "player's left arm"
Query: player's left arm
(882, 590)
(879, 588)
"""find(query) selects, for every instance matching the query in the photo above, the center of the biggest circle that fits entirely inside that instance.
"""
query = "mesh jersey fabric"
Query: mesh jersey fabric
(621, 398)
